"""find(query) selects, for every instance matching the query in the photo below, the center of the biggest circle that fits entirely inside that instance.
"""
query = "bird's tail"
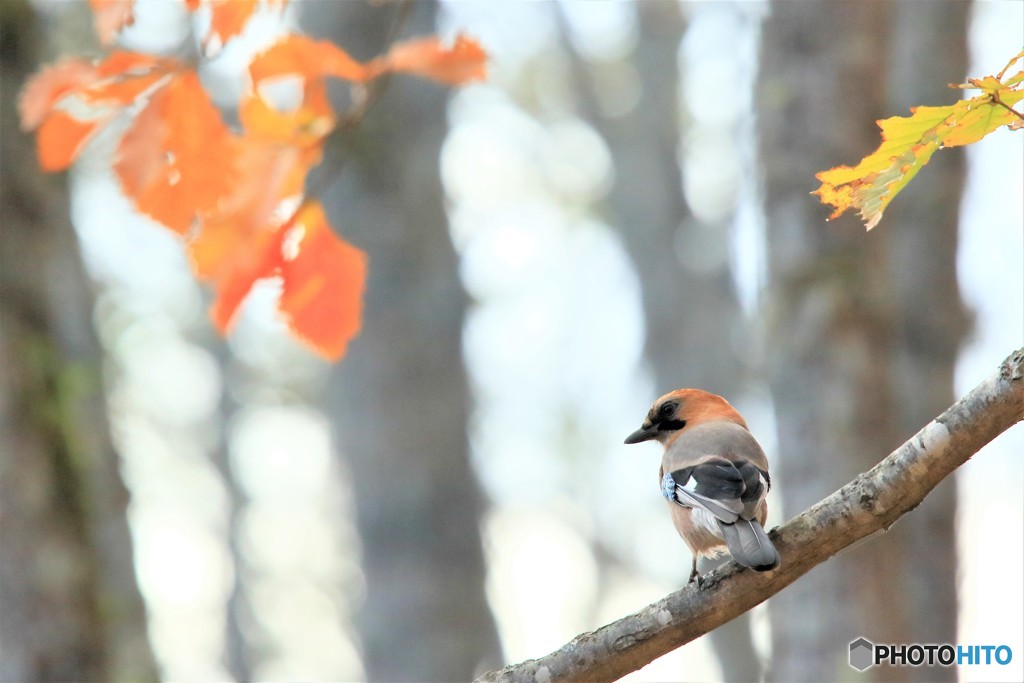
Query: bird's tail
(749, 544)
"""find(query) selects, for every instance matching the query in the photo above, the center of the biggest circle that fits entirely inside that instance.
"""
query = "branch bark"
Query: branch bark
(868, 505)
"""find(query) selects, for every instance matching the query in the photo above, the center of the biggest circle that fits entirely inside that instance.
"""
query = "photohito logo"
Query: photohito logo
(864, 654)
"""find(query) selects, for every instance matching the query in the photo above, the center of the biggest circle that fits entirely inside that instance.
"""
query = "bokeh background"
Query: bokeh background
(623, 208)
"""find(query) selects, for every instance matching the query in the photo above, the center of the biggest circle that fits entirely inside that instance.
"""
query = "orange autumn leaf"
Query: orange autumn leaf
(462, 62)
(124, 76)
(270, 184)
(323, 284)
(312, 61)
(302, 56)
(308, 61)
(228, 18)
(322, 276)
(72, 100)
(237, 200)
(307, 124)
(62, 137)
(110, 16)
(258, 259)
(175, 161)
(239, 242)
(49, 86)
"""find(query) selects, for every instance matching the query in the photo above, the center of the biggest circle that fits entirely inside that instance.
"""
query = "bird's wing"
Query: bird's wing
(714, 485)
(718, 467)
(755, 487)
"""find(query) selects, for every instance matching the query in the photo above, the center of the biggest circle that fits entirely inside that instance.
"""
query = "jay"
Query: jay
(714, 476)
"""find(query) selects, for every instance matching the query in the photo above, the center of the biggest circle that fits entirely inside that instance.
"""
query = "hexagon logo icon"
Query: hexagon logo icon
(862, 653)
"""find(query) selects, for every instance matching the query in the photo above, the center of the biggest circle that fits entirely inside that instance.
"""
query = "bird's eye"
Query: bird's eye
(667, 410)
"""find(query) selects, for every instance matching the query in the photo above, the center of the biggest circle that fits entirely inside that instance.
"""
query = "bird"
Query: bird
(714, 476)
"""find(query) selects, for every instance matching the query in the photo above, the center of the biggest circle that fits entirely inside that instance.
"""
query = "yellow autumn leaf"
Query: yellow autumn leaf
(908, 143)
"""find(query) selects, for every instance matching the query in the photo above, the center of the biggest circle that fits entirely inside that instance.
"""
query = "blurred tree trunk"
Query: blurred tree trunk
(71, 609)
(400, 397)
(929, 50)
(859, 322)
(690, 316)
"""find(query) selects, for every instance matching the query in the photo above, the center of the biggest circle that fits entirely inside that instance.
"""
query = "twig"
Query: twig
(995, 98)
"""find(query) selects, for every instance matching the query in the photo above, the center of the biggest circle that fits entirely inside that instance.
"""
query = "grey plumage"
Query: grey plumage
(719, 467)
(749, 545)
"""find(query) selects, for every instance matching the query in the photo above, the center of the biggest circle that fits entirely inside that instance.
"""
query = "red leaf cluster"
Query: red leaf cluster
(235, 197)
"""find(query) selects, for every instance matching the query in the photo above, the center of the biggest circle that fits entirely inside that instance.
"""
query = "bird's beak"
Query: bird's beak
(645, 433)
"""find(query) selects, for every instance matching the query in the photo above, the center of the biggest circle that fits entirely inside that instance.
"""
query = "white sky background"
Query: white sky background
(991, 271)
(522, 186)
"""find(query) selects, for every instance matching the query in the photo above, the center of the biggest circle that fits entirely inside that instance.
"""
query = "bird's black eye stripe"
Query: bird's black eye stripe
(671, 425)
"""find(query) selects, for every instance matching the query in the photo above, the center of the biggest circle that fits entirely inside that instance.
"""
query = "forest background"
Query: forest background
(621, 208)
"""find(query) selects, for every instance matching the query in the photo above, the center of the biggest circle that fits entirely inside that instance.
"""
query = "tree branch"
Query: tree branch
(869, 504)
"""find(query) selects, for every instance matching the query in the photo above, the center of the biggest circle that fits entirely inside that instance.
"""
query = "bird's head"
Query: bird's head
(681, 409)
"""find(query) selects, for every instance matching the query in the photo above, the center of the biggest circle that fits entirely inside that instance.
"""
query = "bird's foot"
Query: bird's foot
(694, 576)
